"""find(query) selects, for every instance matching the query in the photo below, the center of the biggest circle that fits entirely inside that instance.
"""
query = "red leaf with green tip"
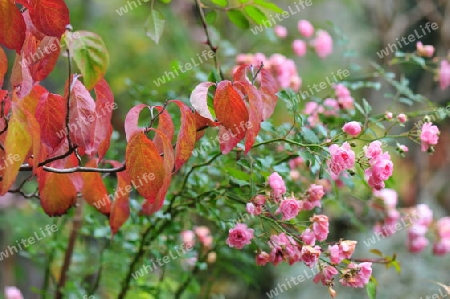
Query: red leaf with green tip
(12, 26)
(144, 163)
(90, 55)
(230, 109)
(50, 16)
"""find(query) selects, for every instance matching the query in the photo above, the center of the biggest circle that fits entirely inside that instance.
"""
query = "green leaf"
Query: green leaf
(90, 55)
(371, 289)
(309, 135)
(255, 14)
(221, 3)
(211, 17)
(367, 107)
(154, 25)
(268, 5)
(377, 252)
(238, 18)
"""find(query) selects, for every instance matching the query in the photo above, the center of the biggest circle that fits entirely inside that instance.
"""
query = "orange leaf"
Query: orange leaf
(165, 126)
(21, 79)
(30, 102)
(186, 137)
(57, 192)
(144, 163)
(94, 190)
(230, 109)
(150, 207)
(17, 145)
(120, 208)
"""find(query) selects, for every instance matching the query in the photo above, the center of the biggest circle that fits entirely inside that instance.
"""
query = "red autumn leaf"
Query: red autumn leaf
(48, 52)
(144, 163)
(199, 99)
(230, 109)
(120, 207)
(50, 16)
(57, 192)
(94, 190)
(132, 119)
(186, 136)
(227, 141)
(81, 116)
(25, 3)
(3, 66)
(150, 206)
(241, 73)
(51, 115)
(21, 79)
(12, 26)
(102, 128)
(165, 126)
(201, 124)
(76, 178)
(17, 144)
(255, 108)
(268, 91)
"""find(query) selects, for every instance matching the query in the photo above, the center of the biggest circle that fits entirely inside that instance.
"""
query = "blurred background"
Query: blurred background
(360, 28)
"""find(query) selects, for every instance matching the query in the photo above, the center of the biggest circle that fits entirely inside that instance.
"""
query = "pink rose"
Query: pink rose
(188, 238)
(342, 158)
(352, 128)
(299, 47)
(373, 150)
(262, 258)
(320, 227)
(277, 185)
(239, 236)
(310, 255)
(326, 275)
(388, 196)
(402, 117)
(417, 244)
(308, 237)
(280, 31)
(335, 254)
(443, 227)
(424, 215)
(441, 247)
(13, 293)
(429, 135)
(323, 44)
(388, 115)
(290, 207)
(341, 91)
(358, 278)
(425, 51)
(444, 74)
(296, 162)
(204, 235)
(305, 28)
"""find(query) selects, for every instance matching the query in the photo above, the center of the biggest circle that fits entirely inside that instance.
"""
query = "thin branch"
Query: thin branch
(69, 252)
(208, 37)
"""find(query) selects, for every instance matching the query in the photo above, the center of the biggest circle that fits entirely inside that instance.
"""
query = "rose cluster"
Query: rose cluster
(301, 245)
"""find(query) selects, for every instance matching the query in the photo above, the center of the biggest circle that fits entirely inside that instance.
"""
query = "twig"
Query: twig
(208, 37)
(77, 219)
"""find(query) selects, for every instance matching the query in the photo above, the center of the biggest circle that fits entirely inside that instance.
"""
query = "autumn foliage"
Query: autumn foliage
(62, 139)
